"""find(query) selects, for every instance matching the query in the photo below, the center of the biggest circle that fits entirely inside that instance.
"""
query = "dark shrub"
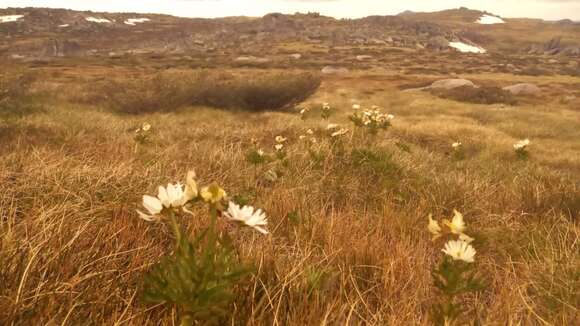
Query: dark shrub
(479, 95)
(166, 92)
(16, 97)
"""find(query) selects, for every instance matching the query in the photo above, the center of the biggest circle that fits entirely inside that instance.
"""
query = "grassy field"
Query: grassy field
(348, 240)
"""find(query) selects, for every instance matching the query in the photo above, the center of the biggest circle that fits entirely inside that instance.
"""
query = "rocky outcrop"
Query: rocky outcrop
(523, 89)
(60, 48)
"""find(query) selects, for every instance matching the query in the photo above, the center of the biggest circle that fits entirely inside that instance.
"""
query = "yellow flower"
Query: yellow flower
(460, 250)
(466, 238)
(146, 127)
(457, 225)
(278, 147)
(213, 193)
(280, 139)
(191, 191)
(434, 227)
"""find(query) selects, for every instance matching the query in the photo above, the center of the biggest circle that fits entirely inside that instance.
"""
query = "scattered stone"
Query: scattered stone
(523, 89)
(452, 83)
(251, 59)
(568, 99)
(330, 70)
(364, 57)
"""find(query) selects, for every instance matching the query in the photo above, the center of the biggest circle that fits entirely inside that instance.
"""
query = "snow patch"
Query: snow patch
(10, 18)
(98, 20)
(466, 48)
(135, 21)
(489, 20)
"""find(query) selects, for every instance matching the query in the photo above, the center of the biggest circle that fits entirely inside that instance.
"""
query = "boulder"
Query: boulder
(523, 89)
(438, 43)
(330, 70)
(452, 83)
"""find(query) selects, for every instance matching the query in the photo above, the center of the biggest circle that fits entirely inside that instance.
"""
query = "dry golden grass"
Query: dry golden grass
(73, 251)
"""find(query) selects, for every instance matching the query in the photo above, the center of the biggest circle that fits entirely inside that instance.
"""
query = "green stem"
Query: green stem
(176, 229)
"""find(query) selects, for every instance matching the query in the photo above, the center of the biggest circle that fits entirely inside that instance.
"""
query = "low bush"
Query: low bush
(478, 95)
(167, 92)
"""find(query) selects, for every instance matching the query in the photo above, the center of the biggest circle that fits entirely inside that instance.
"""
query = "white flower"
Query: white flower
(457, 225)
(310, 132)
(390, 117)
(332, 126)
(247, 215)
(434, 227)
(301, 137)
(356, 107)
(339, 132)
(260, 152)
(460, 250)
(456, 145)
(325, 106)
(280, 139)
(302, 111)
(146, 127)
(278, 147)
(153, 206)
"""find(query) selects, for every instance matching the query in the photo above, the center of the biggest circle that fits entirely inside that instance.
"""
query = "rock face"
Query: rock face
(330, 70)
(523, 89)
(452, 83)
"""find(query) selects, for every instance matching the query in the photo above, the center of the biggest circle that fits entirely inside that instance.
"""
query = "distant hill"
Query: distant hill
(41, 32)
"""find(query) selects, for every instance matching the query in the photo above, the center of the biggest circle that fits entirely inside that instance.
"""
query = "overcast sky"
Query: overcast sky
(547, 9)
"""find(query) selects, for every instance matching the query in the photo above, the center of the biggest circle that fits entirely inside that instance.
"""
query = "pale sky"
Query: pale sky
(547, 9)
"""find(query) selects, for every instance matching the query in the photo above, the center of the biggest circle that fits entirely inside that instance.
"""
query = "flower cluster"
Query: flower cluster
(178, 197)
(326, 109)
(279, 147)
(142, 133)
(372, 119)
(336, 130)
(459, 249)
(521, 148)
(303, 112)
(456, 273)
(309, 135)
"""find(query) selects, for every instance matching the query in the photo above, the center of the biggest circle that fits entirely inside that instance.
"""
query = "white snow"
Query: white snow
(466, 48)
(489, 20)
(98, 20)
(10, 18)
(134, 21)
